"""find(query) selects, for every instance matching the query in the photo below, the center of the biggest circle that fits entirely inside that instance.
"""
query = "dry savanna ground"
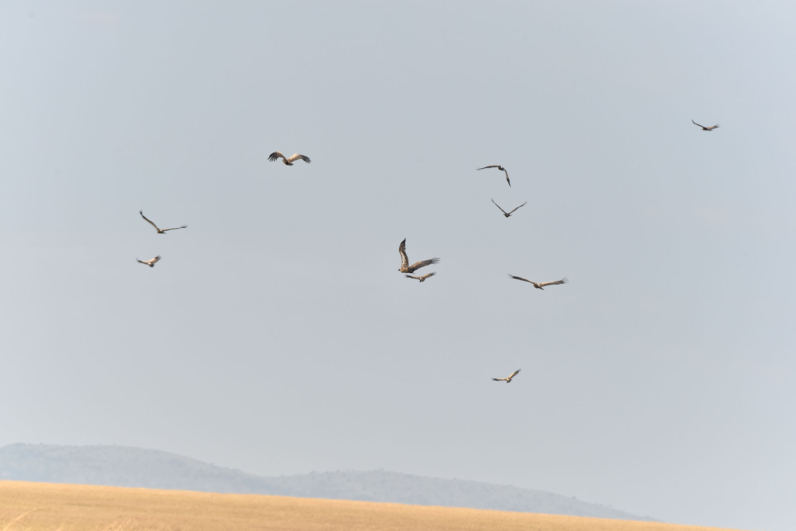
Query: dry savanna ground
(28, 506)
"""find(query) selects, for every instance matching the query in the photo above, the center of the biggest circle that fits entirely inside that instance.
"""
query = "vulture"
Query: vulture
(507, 379)
(151, 262)
(288, 160)
(507, 214)
(160, 231)
(541, 285)
(501, 168)
(405, 267)
(421, 279)
(711, 128)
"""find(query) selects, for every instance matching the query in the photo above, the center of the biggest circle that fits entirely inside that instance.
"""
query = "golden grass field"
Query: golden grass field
(28, 506)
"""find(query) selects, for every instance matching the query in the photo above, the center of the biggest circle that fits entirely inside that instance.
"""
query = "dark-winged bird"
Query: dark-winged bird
(541, 285)
(160, 231)
(421, 279)
(288, 160)
(507, 379)
(405, 267)
(151, 262)
(509, 213)
(501, 168)
(711, 128)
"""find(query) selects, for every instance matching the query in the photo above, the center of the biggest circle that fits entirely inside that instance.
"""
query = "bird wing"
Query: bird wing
(428, 275)
(520, 278)
(402, 252)
(424, 263)
(493, 201)
(700, 125)
(149, 220)
(492, 166)
(712, 127)
(515, 373)
(499, 379)
(155, 260)
(275, 155)
(412, 276)
(177, 228)
(562, 281)
(507, 176)
(140, 261)
(522, 205)
(296, 156)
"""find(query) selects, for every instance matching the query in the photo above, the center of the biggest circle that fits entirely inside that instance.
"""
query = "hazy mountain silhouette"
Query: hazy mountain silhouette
(135, 467)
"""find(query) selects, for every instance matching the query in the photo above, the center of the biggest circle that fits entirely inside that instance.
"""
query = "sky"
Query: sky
(276, 334)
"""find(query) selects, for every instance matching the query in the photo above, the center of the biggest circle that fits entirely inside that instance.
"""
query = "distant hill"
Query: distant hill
(134, 467)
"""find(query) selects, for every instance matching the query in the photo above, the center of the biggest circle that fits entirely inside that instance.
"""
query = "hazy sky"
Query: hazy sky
(276, 334)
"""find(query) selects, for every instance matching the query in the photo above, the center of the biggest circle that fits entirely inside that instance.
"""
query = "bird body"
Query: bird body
(507, 379)
(288, 160)
(160, 231)
(508, 214)
(422, 278)
(541, 285)
(151, 262)
(405, 267)
(499, 167)
(711, 128)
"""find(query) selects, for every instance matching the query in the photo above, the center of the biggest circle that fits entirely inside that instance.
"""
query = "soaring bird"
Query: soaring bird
(151, 262)
(711, 128)
(160, 231)
(507, 379)
(289, 160)
(501, 168)
(541, 285)
(405, 267)
(421, 279)
(507, 214)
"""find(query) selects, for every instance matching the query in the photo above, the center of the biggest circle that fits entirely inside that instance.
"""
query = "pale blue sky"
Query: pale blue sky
(276, 334)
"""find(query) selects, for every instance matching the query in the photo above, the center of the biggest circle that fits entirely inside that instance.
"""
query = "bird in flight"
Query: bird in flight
(151, 262)
(507, 214)
(711, 128)
(501, 168)
(405, 267)
(160, 231)
(541, 285)
(289, 160)
(507, 379)
(421, 279)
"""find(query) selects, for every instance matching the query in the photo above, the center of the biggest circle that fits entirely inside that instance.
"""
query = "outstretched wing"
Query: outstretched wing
(520, 278)
(515, 373)
(522, 205)
(500, 379)
(295, 156)
(493, 201)
(275, 155)
(507, 176)
(562, 281)
(177, 228)
(412, 276)
(148, 220)
(402, 252)
(492, 166)
(712, 127)
(424, 263)
(428, 275)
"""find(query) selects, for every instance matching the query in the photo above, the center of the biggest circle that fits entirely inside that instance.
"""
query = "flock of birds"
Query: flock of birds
(405, 267)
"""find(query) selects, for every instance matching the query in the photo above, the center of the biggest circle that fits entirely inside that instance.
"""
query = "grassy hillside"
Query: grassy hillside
(41, 506)
(135, 467)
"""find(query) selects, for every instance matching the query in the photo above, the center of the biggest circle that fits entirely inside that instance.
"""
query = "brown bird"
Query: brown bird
(288, 160)
(507, 379)
(509, 213)
(501, 168)
(421, 279)
(711, 128)
(405, 267)
(541, 285)
(151, 262)
(160, 231)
